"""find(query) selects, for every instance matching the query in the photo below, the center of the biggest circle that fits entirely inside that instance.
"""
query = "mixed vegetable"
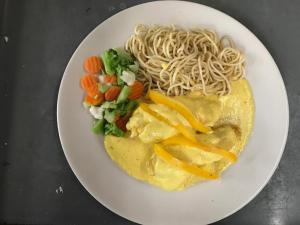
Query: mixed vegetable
(111, 90)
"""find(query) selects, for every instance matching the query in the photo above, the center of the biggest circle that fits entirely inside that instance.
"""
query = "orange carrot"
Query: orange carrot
(112, 93)
(136, 90)
(92, 64)
(89, 83)
(110, 79)
(121, 123)
(94, 101)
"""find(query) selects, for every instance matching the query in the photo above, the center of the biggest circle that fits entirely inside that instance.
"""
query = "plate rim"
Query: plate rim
(282, 87)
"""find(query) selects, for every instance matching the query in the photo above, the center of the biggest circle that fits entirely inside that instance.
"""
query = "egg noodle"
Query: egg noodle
(176, 61)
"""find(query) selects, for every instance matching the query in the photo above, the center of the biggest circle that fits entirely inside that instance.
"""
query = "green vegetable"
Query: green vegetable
(120, 69)
(131, 105)
(126, 108)
(124, 57)
(123, 94)
(112, 129)
(86, 105)
(109, 105)
(103, 87)
(134, 67)
(122, 109)
(116, 60)
(110, 60)
(109, 115)
(120, 81)
(98, 127)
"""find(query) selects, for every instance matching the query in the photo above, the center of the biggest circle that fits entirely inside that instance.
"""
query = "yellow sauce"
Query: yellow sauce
(231, 118)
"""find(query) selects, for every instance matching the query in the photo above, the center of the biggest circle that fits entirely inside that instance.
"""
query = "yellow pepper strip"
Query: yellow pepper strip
(180, 108)
(180, 128)
(180, 140)
(193, 169)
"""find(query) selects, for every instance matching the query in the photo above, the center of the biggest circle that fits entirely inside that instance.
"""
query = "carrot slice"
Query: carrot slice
(110, 79)
(92, 64)
(93, 101)
(89, 83)
(121, 123)
(136, 90)
(112, 93)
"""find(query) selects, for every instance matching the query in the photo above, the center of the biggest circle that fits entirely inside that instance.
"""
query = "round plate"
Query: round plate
(205, 202)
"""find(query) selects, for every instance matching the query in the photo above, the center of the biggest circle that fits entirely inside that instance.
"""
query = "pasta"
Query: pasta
(176, 61)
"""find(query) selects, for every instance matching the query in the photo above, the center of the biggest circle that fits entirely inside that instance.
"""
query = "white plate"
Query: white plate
(203, 203)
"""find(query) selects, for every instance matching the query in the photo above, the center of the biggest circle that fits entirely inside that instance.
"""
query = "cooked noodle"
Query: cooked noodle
(177, 61)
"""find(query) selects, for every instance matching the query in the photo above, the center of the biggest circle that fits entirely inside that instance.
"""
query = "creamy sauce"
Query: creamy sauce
(230, 116)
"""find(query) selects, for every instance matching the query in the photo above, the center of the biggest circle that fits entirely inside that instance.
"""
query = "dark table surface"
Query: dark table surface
(37, 39)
